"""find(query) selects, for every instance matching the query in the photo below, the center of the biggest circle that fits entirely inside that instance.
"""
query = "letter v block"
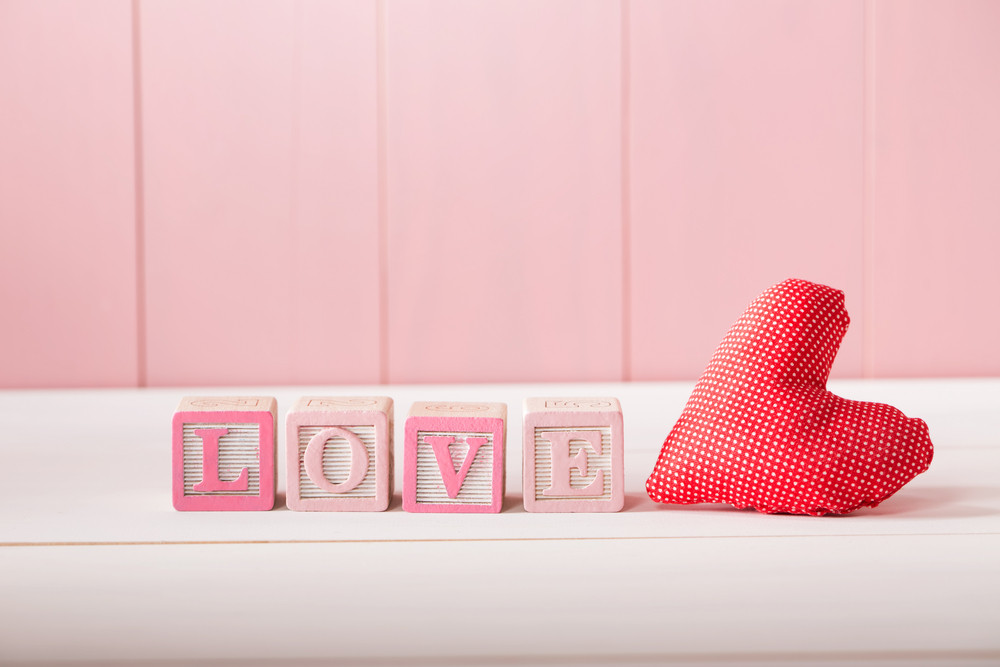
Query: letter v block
(339, 454)
(224, 453)
(573, 455)
(454, 456)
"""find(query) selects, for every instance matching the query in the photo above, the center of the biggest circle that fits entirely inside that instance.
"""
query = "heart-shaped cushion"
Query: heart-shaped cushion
(760, 429)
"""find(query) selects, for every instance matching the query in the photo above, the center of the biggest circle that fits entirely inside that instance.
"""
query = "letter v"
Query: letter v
(453, 480)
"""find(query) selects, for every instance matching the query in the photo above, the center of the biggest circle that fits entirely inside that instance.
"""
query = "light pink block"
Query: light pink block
(224, 453)
(339, 454)
(573, 455)
(453, 457)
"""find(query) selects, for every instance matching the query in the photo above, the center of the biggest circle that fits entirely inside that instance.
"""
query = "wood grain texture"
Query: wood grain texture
(504, 234)
(67, 207)
(262, 243)
(746, 158)
(323, 192)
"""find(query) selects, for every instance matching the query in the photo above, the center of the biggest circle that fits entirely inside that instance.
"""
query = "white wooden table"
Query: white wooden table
(95, 565)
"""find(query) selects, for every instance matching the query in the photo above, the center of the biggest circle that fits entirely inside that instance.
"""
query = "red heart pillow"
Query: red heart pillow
(760, 429)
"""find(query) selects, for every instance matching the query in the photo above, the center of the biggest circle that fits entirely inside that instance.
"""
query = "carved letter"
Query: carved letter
(452, 479)
(313, 460)
(562, 463)
(210, 464)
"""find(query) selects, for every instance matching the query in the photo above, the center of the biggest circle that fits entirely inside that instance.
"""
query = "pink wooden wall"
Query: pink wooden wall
(236, 192)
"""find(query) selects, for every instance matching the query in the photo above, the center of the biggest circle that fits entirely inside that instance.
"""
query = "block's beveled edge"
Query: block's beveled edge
(497, 426)
(267, 459)
(342, 403)
(227, 404)
(585, 419)
(536, 404)
(458, 409)
(382, 467)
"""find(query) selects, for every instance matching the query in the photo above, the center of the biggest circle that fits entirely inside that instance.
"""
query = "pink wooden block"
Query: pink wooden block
(573, 455)
(224, 453)
(339, 454)
(453, 457)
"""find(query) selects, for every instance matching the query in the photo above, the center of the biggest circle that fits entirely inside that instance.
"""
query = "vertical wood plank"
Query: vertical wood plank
(67, 207)
(259, 141)
(936, 194)
(503, 182)
(336, 291)
(747, 152)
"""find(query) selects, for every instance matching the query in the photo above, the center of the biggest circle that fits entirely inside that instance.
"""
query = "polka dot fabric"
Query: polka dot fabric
(760, 429)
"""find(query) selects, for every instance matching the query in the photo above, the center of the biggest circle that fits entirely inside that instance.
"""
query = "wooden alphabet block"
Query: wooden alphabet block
(573, 455)
(224, 453)
(339, 454)
(454, 456)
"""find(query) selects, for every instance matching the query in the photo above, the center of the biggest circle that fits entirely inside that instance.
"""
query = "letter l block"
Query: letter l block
(224, 454)
(573, 455)
(339, 454)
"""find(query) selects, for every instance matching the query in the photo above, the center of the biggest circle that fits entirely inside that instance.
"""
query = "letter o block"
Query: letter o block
(454, 457)
(339, 454)
(573, 455)
(224, 453)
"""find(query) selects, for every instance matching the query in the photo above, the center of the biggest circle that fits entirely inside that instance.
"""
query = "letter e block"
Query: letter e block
(224, 453)
(339, 454)
(573, 455)
(454, 456)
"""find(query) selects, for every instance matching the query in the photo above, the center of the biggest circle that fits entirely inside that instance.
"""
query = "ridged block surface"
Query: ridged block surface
(339, 454)
(454, 457)
(573, 455)
(224, 453)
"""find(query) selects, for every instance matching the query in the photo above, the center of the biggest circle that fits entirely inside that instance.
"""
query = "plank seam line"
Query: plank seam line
(626, 189)
(382, 186)
(633, 538)
(868, 190)
(142, 371)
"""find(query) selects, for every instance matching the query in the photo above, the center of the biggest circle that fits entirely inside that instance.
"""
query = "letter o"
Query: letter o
(313, 460)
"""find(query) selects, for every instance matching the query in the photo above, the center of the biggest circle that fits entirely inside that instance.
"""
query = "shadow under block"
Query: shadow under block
(454, 457)
(339, 454)
(224, 453)
(573, 455)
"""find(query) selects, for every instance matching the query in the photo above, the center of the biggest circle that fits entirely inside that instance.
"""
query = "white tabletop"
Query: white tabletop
(95, 565)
